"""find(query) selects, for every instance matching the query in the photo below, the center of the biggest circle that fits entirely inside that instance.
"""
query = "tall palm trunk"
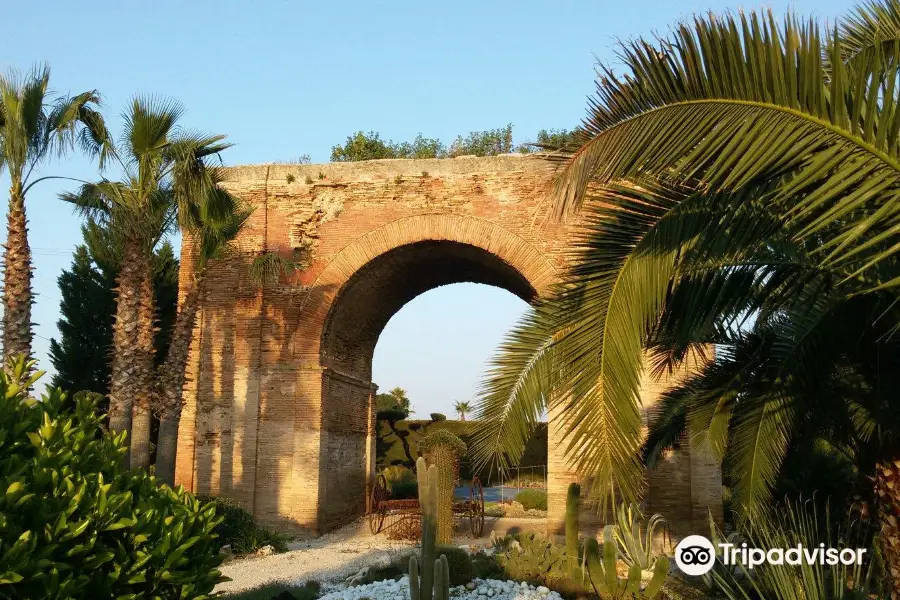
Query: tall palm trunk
(16, 278)
(141, 414)
(170, 383)
(124, 377)
(887, 491)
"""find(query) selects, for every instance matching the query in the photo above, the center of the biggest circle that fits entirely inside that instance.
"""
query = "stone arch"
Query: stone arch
(361, 289)
(506, 248)
(278, 392)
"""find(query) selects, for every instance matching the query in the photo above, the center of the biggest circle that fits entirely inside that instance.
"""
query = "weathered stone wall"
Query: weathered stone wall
(278, 408)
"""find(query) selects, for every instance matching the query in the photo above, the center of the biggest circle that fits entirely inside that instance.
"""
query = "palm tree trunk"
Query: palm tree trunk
(124, 377)
(887, 491)
(171, 382)
(16, 278)
(141, 415)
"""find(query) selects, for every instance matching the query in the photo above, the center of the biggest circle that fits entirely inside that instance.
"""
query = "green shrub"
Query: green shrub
(279, 591)
(240, 530)
(532, 499)
(75, 524)
(486, 567)
(405, 490)
(437, 417)
(398, 474)
(460, 564)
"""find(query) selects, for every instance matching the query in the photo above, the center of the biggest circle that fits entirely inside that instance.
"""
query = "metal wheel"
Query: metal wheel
(476, 508)
(377, 504)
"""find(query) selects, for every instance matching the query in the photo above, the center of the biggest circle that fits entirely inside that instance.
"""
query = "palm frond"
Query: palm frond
(270, 267)
(740, 100)
(581, 350)
(871, 27)
(516, 391)
(149, 123)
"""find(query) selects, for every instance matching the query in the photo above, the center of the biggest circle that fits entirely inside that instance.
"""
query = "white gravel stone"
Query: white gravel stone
(484, 588)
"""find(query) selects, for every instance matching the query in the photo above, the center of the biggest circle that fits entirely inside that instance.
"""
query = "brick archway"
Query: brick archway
(278, 403)
(374, 277)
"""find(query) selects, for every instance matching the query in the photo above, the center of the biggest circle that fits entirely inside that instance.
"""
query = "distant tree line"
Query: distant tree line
(370, 146)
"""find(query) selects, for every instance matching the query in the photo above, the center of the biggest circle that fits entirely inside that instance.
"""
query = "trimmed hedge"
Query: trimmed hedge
(532, 499)
(389, 450)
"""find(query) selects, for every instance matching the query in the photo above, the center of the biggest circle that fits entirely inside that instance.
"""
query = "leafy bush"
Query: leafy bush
(279, 591)
(398, 474)
(75, 524)
(405, 490)
(460, 563)
(392, 414)
(532, 499)
(438, 417)
(401, 482)
(240, 530)
(484, 143)
(485, 566)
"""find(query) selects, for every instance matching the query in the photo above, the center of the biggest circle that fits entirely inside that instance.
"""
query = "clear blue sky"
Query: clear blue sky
(284, 78)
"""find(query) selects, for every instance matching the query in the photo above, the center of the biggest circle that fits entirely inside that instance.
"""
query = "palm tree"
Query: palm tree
(401, 400)
(166, 181)
(30, 131)
(463, 409)
(739, 167)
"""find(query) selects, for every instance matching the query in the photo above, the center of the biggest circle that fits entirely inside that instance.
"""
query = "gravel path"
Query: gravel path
(336, 555)
(331, 557)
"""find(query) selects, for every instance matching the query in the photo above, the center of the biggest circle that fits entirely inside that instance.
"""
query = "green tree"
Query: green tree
(550, 139)
(81, 356)
(362, 146)
(763, 185)
(370, 146)
(392, 408)
(166, 181)
(484, 143)
(31, 129)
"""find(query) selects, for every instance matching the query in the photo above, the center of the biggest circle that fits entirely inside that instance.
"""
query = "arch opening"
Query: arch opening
(378, 290)
(358, 315)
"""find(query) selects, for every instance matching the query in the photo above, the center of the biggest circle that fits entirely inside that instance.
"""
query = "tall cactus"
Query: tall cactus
(443, 449)
(444, 458)
(573, 502)
(434, 582)
(600, 567)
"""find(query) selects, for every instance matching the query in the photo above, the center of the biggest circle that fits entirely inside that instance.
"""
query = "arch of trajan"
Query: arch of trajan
(279, 399)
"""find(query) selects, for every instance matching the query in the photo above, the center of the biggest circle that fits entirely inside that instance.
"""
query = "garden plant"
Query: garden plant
(75, 524)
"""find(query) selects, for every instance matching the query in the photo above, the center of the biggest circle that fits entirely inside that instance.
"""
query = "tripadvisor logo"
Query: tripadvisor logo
(696, 555)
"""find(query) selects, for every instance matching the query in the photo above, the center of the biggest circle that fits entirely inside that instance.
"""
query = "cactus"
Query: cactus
(600, 567)
(434, 582)
(443, 450)
(573, 501)
(444, 459)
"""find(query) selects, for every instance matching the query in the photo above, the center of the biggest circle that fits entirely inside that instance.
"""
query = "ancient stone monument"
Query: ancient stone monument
(279, 409)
